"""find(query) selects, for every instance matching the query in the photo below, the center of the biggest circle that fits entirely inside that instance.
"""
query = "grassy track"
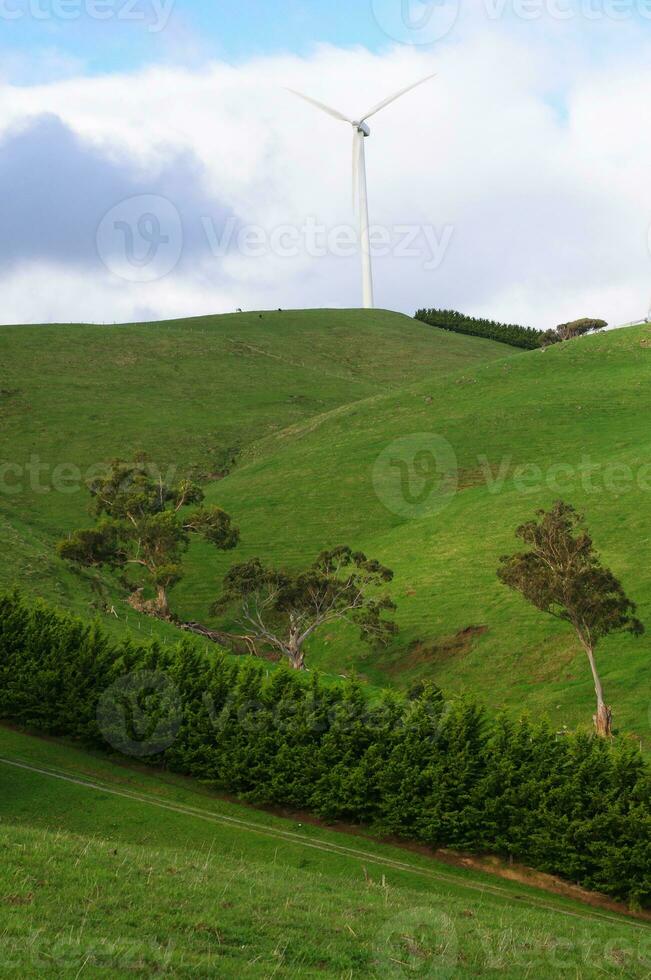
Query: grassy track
(108, 869)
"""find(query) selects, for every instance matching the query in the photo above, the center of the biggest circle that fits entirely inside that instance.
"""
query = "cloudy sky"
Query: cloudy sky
(152, 163)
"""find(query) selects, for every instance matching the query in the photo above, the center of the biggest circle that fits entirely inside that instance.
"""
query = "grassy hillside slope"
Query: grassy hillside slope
(108, 869)
(192, 393)
(579, 412)
(309, 402)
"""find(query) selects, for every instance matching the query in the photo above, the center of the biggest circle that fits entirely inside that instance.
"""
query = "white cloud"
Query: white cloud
(539, 163)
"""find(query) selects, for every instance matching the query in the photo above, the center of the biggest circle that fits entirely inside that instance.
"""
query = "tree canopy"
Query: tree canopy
(283, 609)
(145, 524)
(575, 328)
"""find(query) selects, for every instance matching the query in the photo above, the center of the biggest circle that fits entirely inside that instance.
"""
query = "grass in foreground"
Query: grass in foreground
(114, 871)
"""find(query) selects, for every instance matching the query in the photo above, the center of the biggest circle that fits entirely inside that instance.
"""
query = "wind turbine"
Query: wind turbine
(360, 191)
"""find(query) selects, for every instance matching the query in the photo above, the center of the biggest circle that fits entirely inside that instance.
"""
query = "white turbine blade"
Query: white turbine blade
(398, 95)
(320, 105)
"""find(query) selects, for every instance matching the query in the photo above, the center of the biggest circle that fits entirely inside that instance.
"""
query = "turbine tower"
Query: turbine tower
(360, 193)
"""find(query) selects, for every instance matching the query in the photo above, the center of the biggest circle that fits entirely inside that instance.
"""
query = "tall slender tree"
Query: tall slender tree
(561, 574)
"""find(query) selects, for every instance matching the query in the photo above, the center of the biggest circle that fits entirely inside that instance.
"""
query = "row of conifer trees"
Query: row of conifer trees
(506, 333)
(418, 767)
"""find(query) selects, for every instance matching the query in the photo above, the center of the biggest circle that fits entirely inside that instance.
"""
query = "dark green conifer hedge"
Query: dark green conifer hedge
(505, 333)
(426, 770)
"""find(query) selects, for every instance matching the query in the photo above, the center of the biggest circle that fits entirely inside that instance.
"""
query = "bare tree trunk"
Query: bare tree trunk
(295, 653)
(162, 602)
(603, 719)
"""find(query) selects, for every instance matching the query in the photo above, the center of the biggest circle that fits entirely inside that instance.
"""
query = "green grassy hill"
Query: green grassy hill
(193, 393)
(306, 403)
(580, 413)
(107, 869)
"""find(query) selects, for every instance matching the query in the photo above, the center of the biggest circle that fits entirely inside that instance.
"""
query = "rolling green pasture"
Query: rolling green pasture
(572, 422)
(112, 871)
(338, 423)
(194, 394)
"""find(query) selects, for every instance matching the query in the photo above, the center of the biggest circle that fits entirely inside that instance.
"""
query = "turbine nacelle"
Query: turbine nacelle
(362, 127)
